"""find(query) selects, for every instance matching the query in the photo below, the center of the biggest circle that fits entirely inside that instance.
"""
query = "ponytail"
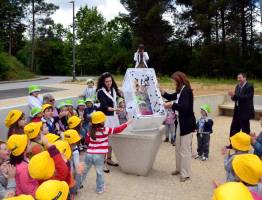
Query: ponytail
(93, 130)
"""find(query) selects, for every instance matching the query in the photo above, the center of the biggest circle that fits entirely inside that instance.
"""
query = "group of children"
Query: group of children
(41, 158)
(243, 167)
(44, 154)
(204, 130)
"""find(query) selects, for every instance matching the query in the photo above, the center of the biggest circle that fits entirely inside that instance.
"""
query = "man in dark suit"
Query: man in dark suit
(244, 105)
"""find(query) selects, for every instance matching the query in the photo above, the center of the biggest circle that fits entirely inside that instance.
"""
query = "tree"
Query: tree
(11, 25)
(41, 12)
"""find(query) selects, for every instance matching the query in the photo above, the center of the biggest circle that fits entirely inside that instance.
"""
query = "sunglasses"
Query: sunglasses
(51, 100)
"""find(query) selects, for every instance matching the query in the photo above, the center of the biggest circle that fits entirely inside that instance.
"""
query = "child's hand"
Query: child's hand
(80, 168)
(215, 184)
(45, 141)
(11, 171)
(253, 137)
(129, 121)
(225, 151)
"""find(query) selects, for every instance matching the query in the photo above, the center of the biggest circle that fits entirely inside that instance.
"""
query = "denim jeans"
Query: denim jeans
(98, 161)
(170, 132)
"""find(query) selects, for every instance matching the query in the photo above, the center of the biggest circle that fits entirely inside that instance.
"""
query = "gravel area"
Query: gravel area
(159, 184)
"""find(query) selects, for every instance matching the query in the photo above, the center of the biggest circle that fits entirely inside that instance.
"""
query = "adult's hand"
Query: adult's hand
(168, 105)
(231, 93)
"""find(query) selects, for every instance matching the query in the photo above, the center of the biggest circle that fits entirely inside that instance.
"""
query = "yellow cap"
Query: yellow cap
(98, 117)
(232, 191)
(241, 141)
(17, 144)
(33, 129)
(21, 197)
(52, 138)
(64, 148)
(71, 136)
(41, 166)
(12, 117)
(73, 122)
(45, 106)
(52, 189)
(248, 167)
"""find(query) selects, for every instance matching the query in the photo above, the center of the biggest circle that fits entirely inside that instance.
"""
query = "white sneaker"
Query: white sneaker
(100, 192)
(204, 158)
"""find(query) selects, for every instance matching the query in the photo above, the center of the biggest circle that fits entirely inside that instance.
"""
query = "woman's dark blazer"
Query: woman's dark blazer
(185, 108)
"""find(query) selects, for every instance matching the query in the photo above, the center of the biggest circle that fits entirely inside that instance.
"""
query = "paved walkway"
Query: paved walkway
(160, 185)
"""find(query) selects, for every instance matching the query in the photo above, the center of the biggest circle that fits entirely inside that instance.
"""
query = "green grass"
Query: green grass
(222, 84)
(16, 70)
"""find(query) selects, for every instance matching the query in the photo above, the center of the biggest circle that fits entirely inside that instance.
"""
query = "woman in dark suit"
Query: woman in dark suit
(182, 105)
(107, 94)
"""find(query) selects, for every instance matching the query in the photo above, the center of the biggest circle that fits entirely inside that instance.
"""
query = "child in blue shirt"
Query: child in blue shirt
(204, 129)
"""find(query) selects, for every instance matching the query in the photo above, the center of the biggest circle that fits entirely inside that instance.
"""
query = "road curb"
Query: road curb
(24, 80)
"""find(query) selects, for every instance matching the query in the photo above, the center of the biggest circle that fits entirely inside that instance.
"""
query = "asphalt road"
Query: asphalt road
(20, 89)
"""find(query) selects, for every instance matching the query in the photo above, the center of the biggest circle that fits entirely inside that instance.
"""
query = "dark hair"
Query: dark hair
(94, 128)
(181, 80)
(141, 46)
(243, 74)
(15, 129)
(15, 160)
(101, 82)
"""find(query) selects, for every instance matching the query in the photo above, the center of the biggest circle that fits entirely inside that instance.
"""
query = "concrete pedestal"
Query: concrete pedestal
(136, 151)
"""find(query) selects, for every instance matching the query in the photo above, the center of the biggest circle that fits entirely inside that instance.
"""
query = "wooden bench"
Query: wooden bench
(227, 109)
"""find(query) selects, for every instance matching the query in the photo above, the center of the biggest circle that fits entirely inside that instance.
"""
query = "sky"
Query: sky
(109, 9)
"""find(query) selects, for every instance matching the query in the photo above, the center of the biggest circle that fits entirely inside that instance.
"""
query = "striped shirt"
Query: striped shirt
(100, 145)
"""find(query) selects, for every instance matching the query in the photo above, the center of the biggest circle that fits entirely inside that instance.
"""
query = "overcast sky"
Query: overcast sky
(109, 9)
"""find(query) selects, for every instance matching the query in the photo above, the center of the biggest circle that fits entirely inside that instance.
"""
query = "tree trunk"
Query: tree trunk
(251, 27)
(33, 37)
(243, 29)
(223, 24)
(217, 39)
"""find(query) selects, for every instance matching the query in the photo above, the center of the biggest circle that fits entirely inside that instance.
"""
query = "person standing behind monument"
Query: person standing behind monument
(186, 123)
(141, 57)
(107, 93)
(244, 106)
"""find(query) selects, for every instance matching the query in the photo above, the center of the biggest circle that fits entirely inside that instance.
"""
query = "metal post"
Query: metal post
(74, 51)
(261, 9)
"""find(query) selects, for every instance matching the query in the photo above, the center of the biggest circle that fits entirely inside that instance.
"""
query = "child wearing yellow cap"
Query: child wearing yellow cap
(7, 173)
(248, 170)
(57, 190)
(34, 130)
(232, 191)
(17, 144)
(48, 118)
(15, 122)
(73, 138)
(241, 144)
(51, 164)
(98, 146)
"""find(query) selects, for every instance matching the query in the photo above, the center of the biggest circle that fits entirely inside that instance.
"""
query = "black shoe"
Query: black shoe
(107, 171)
(166, 140)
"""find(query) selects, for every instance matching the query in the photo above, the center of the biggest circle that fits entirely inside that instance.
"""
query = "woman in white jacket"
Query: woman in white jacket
(141, 57)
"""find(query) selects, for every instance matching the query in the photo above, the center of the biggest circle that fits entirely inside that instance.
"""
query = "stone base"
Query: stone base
(136, 151)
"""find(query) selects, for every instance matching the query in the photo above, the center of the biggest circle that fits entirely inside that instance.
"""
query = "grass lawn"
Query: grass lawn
(201, 86)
